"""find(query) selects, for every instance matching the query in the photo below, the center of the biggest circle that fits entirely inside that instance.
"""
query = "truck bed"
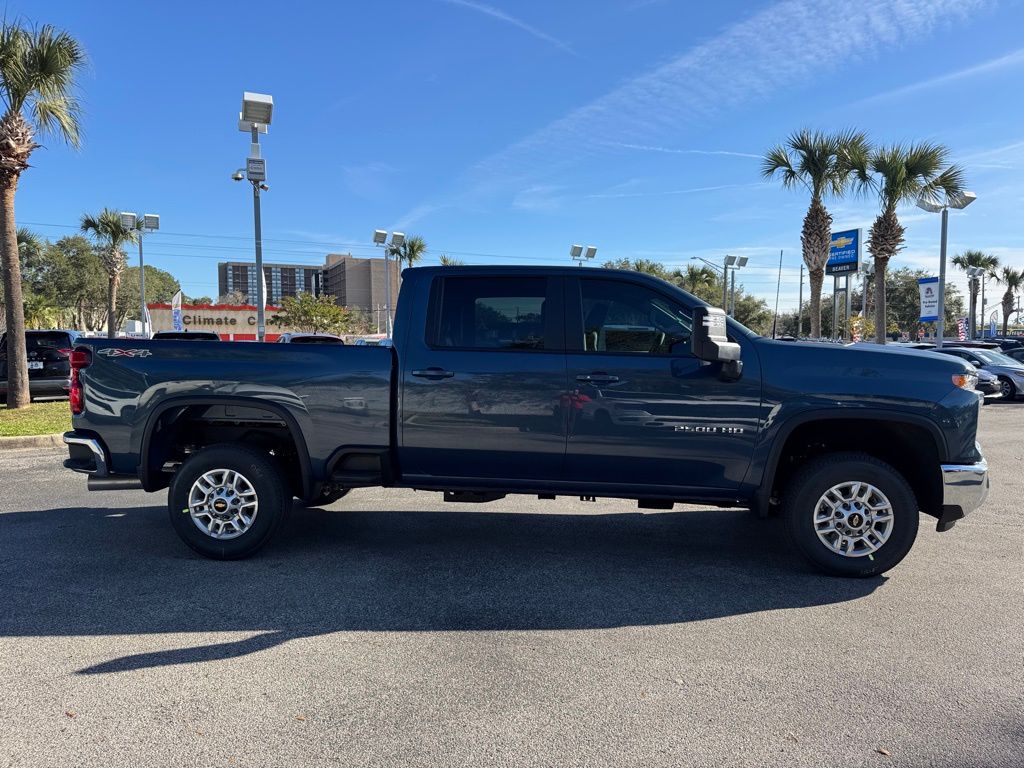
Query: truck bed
(334, 397)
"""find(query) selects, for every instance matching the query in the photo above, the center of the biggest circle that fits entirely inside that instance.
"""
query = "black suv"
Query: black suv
(48, 367)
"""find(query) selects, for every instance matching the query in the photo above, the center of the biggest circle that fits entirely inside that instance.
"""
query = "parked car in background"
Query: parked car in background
(1010, 342)
(309, 338)
(988, 383)
(1016, 354)
(1010, 372)
(373, 343)
(187, 336)
(48, 365)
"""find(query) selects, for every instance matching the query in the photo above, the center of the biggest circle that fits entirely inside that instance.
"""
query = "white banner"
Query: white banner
(929, 287)
(176, 323)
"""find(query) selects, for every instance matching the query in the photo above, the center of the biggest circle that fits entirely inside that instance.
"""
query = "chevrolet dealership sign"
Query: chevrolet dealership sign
(844, 252)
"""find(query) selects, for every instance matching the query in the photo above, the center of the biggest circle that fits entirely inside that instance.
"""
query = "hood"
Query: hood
(879, 372)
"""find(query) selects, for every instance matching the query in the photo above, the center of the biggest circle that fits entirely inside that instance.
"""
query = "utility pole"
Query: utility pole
(800, 305)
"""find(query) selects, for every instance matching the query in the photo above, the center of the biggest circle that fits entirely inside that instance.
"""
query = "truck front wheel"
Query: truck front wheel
(851, 514)
(227, 500)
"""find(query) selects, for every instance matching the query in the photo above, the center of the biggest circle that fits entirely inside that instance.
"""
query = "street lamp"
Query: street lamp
(933, 204)
(579, 254)
(254, 119)
(740, 263)
(147, 222)
(380, 239)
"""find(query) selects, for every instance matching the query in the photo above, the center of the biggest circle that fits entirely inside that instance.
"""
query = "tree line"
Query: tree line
(848, 163)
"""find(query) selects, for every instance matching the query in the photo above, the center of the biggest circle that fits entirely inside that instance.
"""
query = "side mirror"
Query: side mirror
(710, 342)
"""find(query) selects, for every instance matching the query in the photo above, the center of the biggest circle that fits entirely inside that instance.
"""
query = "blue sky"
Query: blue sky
(505, 131)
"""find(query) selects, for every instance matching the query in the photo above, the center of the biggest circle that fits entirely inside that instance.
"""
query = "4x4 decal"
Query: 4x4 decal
(118, 352)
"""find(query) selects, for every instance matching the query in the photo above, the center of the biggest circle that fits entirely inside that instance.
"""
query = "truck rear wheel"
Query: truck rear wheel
(851, 514)
(227, 500)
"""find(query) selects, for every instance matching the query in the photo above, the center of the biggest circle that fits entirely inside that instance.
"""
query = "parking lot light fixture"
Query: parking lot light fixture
(254, 119)
(934, 204)
(380, 239)
(149, 222)
(579, 254)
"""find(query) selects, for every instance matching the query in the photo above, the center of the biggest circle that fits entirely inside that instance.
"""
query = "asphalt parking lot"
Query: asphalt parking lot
(394, 629)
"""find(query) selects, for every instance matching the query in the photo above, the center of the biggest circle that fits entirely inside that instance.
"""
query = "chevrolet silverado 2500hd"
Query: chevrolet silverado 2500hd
(546, 381)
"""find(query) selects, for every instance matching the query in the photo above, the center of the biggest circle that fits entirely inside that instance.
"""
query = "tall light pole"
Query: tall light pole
(254, 119)
(380, 239)
(147, 222)
(933, 205)
(579, 254)
(740, 263)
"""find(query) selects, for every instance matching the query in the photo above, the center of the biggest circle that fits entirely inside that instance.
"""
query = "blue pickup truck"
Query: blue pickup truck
(541, 381)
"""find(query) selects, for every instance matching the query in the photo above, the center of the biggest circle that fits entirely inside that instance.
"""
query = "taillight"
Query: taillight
(65, 352)
(79, 358)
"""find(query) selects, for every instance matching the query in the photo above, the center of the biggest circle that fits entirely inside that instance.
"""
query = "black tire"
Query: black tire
(328, 495)
(273, 499)
(1007, 388)
(808, 487)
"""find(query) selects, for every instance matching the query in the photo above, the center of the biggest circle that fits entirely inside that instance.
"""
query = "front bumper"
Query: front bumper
(964, 489)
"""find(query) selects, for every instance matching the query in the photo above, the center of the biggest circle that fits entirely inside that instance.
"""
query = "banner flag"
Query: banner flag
(176, 323)
(929, 287)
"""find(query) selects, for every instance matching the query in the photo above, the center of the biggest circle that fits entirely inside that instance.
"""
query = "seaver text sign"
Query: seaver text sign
(844, 252)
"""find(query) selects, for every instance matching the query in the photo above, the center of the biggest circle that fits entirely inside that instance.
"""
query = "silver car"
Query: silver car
(1009, 371)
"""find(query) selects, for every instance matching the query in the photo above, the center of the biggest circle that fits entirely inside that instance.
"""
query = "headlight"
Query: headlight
(965, 380)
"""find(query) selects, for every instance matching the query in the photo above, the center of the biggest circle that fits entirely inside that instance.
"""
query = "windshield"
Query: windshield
(991, 357)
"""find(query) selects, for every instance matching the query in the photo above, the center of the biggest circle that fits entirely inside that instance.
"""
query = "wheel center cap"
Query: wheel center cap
(856, 519)
(220, 505)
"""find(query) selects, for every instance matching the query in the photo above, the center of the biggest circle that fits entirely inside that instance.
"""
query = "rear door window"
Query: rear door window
(496, 313)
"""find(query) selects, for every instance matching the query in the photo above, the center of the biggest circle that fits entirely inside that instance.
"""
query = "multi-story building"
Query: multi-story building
(359, 283)
(355, 283)
(282, 279)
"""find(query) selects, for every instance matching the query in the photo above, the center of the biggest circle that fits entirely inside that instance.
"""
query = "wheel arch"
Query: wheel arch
(912, 444)
(150, 470)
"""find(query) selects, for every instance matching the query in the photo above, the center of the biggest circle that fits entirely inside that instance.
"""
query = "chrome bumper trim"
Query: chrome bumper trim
(70, 438)
(965, 485)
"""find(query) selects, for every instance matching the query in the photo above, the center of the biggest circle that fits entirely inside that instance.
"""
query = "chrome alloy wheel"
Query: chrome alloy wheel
(853, 519)
(223, 503)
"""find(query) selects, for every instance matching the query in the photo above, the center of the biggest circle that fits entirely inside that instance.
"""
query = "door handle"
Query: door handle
(435, 374)
(597, 378)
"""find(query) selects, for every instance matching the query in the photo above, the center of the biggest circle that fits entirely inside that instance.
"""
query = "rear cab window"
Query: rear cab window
(494, 313)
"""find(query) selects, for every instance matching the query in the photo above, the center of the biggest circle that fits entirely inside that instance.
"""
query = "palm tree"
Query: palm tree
(410, 251)
(1013, 279)
(37, 74)
(111, 237)
(448, 261)
(821, 164)
(978, 260)
(700, 281)
(901, 174)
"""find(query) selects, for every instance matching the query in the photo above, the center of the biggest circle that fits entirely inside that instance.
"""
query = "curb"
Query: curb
(32, 441)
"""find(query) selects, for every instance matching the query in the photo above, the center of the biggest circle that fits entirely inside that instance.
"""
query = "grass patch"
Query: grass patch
(37, 419)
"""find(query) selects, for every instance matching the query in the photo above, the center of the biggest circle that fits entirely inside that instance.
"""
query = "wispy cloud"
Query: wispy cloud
(1009, 61)
(663, 192)
(673, 151)
(746, 63)
(500, 15)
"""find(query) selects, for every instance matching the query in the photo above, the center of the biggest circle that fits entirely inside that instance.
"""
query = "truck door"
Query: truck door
(483, 381)
(647, 412)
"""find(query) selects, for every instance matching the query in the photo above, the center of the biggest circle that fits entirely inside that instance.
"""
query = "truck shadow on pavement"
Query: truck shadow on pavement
(69, 572)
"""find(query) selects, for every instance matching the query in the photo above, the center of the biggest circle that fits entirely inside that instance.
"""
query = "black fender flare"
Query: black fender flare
(763, 487)
(305, 467)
